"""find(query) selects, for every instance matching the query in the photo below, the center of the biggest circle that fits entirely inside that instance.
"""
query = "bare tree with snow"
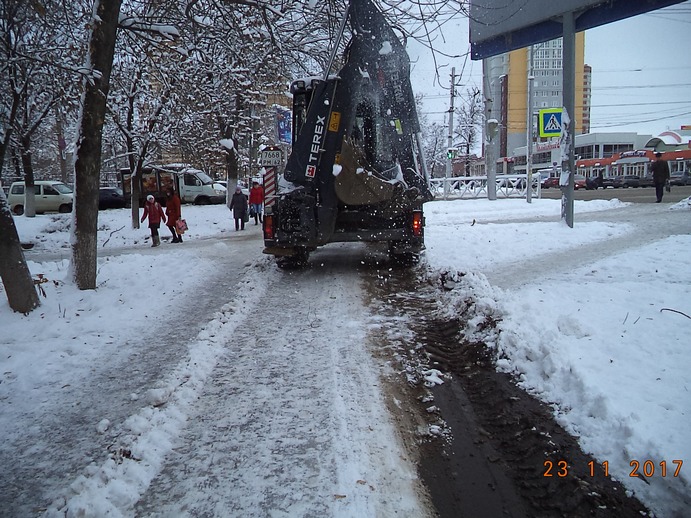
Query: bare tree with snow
(87, 165)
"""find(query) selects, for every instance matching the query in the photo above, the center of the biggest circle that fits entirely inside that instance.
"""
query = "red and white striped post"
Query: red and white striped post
(269, 186)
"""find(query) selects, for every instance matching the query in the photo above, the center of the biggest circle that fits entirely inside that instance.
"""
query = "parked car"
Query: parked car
(680, 178)
(607, 181)
(628, 180)
(594, 182)
(50, 196)
(224, 183)
(579, 182)
(552, 181)
(111, 198)
(221, 187)
(646, 181)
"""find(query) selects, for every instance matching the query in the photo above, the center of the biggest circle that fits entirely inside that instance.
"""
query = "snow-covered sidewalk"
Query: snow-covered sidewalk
(593, 320)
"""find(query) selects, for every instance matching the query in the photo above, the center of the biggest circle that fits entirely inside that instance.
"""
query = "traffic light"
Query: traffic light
(451, 153)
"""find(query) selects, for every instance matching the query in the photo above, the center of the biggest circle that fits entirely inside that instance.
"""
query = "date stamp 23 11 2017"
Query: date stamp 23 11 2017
(646, 468)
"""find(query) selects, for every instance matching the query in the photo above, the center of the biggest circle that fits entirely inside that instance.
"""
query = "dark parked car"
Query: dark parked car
(680, 178)
(607, 181)
(594, 182)
(628, 180)
(646, 181)
(111, 198)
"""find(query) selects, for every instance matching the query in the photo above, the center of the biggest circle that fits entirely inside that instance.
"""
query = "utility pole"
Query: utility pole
(529, 131)
(449, 147)
(568, 159)
(491, 129)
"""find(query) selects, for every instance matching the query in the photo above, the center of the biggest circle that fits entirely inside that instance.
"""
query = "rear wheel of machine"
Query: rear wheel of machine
(296, 261)
(406, 257)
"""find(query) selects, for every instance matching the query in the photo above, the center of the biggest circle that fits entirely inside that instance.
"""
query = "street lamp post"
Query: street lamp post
(491, 158)
(491, 127)
(449, 153)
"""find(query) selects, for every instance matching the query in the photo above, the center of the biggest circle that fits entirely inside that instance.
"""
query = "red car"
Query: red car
(552, 181)
(579, 182)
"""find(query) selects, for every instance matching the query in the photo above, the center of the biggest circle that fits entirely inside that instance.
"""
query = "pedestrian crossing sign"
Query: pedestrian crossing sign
(550, 122)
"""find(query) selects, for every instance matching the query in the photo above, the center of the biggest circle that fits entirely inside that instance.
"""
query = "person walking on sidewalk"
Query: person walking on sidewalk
(256, 202)
(173, 213)
(660, 171)
(154, 211)
(238, 204)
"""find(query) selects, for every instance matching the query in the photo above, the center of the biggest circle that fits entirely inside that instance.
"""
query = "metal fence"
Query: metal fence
(508, 186)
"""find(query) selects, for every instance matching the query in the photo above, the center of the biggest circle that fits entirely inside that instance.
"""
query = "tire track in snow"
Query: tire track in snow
(292, 422)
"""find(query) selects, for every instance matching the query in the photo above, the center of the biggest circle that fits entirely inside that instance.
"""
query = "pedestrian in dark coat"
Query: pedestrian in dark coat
(173, 213)
(238, 204)
(154, 211)
(660, 171)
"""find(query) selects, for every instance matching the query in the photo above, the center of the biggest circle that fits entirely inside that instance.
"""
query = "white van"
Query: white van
(193, 185)
(51, 196)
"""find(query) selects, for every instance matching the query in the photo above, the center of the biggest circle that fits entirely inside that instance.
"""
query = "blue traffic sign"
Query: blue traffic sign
(550, 122)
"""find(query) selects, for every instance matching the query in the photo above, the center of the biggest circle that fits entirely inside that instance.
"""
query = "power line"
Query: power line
(657, 119)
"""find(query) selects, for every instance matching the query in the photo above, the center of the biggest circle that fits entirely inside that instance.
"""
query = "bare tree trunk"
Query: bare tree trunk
(87, 166)
(14, 272)
(21, 293)
(135, 172)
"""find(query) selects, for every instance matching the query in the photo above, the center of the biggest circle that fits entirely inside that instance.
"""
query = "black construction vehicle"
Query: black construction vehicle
(356, 170)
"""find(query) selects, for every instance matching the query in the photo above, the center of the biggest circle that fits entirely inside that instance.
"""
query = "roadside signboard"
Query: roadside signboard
(498, 26)
(271, 157)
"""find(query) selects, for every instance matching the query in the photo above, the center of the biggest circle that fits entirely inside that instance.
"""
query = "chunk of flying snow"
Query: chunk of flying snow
(385, 48)
(337, 168)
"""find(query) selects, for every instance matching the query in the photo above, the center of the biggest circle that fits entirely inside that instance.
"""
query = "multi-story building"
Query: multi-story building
(506, 84)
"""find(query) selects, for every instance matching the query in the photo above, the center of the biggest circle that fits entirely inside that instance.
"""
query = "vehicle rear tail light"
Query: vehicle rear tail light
(268, 227)
(417, 223)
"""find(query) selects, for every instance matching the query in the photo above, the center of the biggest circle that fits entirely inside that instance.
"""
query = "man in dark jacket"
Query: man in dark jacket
(660, 171)
(238, 205)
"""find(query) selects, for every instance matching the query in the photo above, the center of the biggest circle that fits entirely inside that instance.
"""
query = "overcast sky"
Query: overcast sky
(641, 72)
